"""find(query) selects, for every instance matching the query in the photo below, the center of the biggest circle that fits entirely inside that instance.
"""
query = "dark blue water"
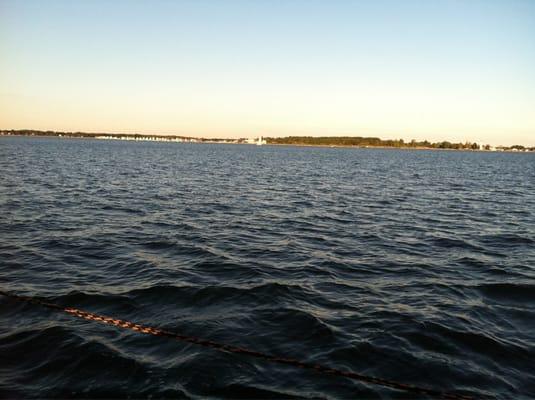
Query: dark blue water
(416, 266)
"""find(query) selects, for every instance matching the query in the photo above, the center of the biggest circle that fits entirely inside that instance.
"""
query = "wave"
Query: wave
(509, 292)
(507, 239)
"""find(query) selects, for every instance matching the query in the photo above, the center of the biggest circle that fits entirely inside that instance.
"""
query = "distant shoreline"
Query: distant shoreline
(287, 141)
(377, 147)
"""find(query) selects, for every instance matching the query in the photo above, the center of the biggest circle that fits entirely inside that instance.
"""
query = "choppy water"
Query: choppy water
(417, 266)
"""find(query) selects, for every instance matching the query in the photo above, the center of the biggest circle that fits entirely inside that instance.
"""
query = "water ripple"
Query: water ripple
(416, 266)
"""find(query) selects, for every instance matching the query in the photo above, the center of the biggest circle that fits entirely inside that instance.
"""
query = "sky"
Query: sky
(459, 70)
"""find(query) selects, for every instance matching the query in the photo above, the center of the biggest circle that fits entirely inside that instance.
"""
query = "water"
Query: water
(416, 266)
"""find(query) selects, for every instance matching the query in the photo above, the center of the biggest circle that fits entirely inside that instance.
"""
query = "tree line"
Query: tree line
(359, 141)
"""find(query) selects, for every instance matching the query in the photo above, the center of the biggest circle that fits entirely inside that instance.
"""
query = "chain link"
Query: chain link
(239, 350)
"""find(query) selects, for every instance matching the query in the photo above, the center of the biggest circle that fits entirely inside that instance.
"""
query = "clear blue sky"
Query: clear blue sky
(438, 70)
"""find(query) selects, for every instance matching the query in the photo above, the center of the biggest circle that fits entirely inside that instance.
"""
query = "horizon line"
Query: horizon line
(256, 135)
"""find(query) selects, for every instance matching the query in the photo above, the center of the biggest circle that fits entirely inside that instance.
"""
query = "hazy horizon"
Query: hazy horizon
(448, 70)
